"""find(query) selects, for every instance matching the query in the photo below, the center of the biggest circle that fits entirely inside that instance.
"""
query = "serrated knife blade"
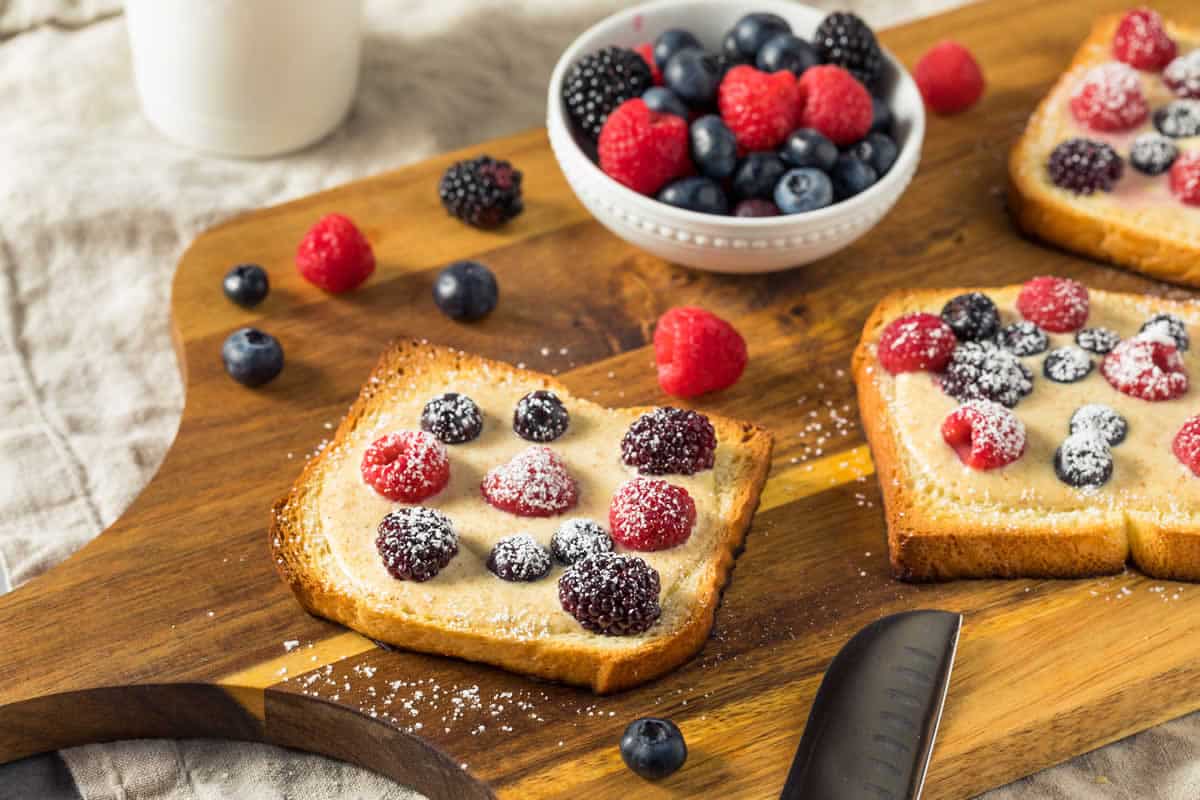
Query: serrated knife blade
(873, 722)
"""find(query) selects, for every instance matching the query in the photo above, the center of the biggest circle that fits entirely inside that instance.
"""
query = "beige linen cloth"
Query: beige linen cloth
(95, 209)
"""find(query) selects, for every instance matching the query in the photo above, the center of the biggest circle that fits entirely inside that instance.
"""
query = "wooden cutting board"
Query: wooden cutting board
(173, 623)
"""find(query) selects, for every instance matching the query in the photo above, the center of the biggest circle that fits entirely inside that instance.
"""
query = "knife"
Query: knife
(873, 722)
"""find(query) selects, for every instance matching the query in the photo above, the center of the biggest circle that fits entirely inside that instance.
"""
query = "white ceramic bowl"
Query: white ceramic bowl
(708, 241)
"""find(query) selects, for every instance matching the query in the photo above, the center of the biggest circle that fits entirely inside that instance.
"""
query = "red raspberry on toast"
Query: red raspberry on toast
(916, 342)
(535, 483)
(1145, 368)
(984, 435)
(835, 104)
(949, 78)
(1141, 40)
(1186, 444)
(651, 514)
(1110, 98)
(406, 467)
(334, 255)
(760, 108)
(697, 352)
(643, 149)
(1185, 177)
(1058, 305)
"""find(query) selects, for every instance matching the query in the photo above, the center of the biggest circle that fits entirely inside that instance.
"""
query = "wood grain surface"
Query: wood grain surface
(173, 623)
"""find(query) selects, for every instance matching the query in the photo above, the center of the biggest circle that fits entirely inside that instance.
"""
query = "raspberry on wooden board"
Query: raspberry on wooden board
(335, 255)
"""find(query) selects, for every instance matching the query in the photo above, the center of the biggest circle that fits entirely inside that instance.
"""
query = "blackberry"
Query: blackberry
(612, 594)
(1178, 119)
(1023, 338)
(1067, 365)
(844, 39)
(416, 543)
(540, 417)
(1096, 417)
(1168, 326)
(577, 539)
(1084, 166)
(982, 371)
(482, 191)
(519, 558)
(1100, 341)
(972, 316)
(598, 83)
(1084, 460)
(1152, 154)
(453, 418)
(669, 440)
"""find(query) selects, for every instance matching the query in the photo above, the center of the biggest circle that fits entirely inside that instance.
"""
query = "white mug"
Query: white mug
(246, 78)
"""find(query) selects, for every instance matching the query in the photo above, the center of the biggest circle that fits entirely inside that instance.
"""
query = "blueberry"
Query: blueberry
(670, 42)
(755, 207)
(785, 51)
(806, 147)
(803, 189)
(1152, 154)
(664, 101)
(252, 357)
(695, 194)
(1084, 460)
(878, 150)
(731, 51)
(466, 290)
(714, 148)
(972, 316)
(851, 176)
(1097, 417)
(653, 748)
(1179, 119)
(694, 76)
(246, 285)
(752, 31)
(881, 116)
(1068, 364)
(1097, 340)
(758, 175)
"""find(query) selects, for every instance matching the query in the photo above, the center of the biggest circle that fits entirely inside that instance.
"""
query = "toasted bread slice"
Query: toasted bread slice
(948, 521)
(323, 531)
(1140, 224)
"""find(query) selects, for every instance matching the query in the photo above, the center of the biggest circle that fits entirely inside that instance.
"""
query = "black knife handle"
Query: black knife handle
(871, 729)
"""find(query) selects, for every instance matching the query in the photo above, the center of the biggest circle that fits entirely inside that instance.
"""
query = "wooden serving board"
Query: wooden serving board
(173, 623)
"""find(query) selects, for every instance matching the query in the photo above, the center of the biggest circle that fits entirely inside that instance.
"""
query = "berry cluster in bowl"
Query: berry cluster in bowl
(984, 365)
(769, 124)
(607, 591)
(1110, 102)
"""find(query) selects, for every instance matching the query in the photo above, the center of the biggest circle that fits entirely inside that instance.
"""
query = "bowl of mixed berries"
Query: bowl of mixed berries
(734, 137)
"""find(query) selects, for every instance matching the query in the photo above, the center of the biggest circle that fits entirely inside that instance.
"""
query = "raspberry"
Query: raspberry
(616, 595)
(1023, 338)
(760, 108)
(1142, 41)
(453, 418)
(697, 352)
(1185, 177)
(1060, 305)
(985, 435)
(651, 514)
(482, 191)
(1084, 166)
(535, 483)
(835, 104)
(1100, 341)
(1167, 328)
(1109, 98)
(1084, 460)
(1067, 365)
(1182, 76)
(540, 416)
(406, 467)
(949, 78)
(916, 342)
(1102, 419)
(1145, 368)
(578, 538)
(1186, 444)
(600, 82)
(416, 543)
(334, 255)
(669, 440)
(982, 371)
(643, 149)
(844, 39)
(972, 316)
(519, 558)
(646, 51)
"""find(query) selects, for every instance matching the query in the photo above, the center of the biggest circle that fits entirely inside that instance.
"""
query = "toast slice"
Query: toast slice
(948, 521)
(323, 531)
(1140, 224)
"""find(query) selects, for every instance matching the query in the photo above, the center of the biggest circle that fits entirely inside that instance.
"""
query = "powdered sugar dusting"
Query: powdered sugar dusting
(1182, 75)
